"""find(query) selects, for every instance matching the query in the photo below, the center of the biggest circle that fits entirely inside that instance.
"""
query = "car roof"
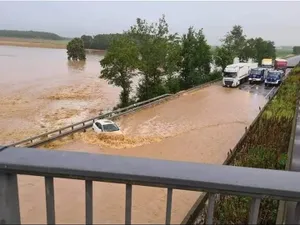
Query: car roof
(105, 121)
(258, 68)
(274, 71)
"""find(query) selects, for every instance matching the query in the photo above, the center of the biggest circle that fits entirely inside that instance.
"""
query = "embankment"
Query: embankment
(36, 43)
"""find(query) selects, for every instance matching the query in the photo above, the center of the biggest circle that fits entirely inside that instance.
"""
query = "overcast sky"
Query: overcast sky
(277, 21)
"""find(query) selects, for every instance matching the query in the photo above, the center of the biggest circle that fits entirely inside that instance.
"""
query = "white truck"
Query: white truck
(235, 74)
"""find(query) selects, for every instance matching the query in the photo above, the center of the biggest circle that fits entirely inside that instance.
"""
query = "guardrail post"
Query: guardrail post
(9, 199)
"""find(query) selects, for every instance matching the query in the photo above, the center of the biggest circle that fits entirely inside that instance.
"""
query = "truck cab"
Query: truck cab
(274, 77)
(257, 75)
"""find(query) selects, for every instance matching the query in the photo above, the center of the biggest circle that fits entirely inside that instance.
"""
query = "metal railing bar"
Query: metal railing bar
(152, 172)
(254, 211)
(89, 202)
(9, 199)
(210, 208)
(169, 205)
(297, 213)
(50, 205)
(55, 137)
(128, 204)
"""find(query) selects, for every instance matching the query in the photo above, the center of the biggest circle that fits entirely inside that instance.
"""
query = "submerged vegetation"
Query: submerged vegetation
(75, 50)
(266, 147)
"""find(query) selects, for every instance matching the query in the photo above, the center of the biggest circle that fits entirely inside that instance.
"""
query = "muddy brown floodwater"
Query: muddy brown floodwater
(41, 90)
(199, 126)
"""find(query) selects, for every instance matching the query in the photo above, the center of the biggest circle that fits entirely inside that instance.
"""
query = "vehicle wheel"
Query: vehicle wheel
(250, 82)
(266, 85)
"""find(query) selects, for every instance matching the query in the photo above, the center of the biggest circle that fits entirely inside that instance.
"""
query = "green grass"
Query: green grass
(283, 52)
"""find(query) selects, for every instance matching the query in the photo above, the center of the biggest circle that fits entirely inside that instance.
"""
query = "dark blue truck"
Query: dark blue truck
(273, 78)
(257, 75)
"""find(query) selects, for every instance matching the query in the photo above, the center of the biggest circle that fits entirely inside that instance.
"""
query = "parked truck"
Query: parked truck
(274, 77)
(280, 64)
(235, 74)
(267, 63)
(257, 75)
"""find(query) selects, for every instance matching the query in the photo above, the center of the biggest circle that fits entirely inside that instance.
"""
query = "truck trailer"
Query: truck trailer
(235, 74)
(280, 64)
(267, 63)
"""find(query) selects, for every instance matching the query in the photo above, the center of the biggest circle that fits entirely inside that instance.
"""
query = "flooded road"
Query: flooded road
(41, 90)
(198, 126)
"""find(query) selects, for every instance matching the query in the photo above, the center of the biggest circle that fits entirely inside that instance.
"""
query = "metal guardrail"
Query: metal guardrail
(214, 179)
(82, 125)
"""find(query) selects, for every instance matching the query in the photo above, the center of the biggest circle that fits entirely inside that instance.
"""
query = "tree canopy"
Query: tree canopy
(196, 58)
(152, 42)
(166, 62)
(236, 44)
(119, 66)
(99, 41)
(75, 49)
(296, 50)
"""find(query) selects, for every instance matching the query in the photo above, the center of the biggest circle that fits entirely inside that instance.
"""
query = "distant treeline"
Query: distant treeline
(296, 50)
(30, 34)
(99, 41)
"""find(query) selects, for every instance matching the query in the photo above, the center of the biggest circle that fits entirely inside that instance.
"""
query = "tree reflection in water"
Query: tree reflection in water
(76, 66)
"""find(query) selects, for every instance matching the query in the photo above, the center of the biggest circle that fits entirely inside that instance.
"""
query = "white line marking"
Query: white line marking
(269, 92)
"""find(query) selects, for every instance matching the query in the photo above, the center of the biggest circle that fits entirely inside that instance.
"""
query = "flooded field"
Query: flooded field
(41, 91)
(199, 126)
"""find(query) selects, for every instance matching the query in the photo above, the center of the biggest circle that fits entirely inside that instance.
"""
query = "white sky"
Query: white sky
(277, 21)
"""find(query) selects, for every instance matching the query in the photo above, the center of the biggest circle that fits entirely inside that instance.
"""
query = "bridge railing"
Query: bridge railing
(82, 125)
(214, 179)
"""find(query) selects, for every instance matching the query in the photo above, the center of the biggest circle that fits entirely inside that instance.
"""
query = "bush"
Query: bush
(173, 85)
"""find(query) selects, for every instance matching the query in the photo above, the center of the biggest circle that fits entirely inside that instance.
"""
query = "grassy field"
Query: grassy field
(39, 43)
(284, 52)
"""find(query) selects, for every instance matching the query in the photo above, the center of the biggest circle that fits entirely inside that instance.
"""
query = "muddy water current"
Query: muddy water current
(41, 90)
(198, 126)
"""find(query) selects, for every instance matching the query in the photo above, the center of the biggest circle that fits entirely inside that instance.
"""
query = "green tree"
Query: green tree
(249, 50)
(264, 49)
(119, 64)
(196, 58)
(223, 57)
(75, 49)
(153, 44)
(235, 41)
(296, 50)
(172, 66)
(87, 41)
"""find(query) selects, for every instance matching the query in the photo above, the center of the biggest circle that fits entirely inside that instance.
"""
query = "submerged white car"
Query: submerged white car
(106, 126)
